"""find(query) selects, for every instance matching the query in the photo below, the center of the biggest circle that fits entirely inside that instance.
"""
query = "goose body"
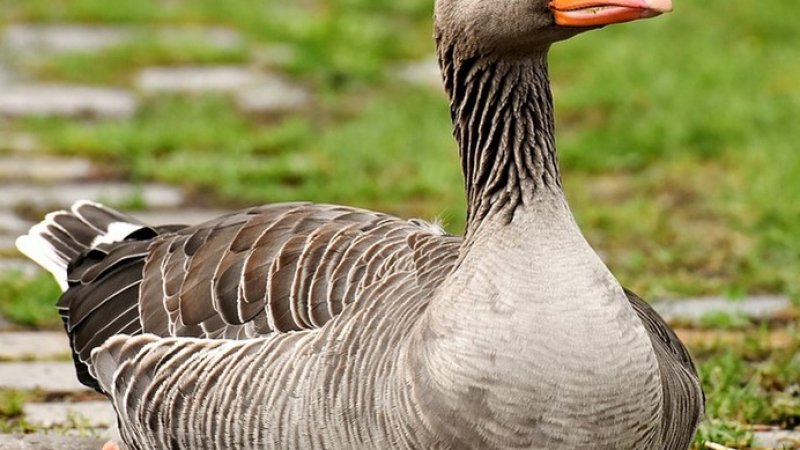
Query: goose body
(308, 326)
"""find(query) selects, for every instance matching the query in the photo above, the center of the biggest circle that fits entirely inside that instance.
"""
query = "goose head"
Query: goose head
(525, 26)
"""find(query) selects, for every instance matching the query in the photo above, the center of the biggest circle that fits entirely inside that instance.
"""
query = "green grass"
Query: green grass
(687, 122)
(295, 158)
(12, 417)
(751, 375)
(29, 301)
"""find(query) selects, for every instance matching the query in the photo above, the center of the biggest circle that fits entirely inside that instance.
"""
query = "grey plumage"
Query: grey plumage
(311, 326)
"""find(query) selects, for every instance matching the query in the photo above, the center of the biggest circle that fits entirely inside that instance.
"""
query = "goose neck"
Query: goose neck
(502, 111)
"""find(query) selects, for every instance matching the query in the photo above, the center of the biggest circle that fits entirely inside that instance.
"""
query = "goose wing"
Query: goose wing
(682, 391)
(268, 269)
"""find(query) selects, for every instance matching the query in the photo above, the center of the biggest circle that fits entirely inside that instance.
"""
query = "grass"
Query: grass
(698, 158)
(12, 418)
(754, 382)
(750, 376)
(29, 301)
(677, 139)
(12, 414)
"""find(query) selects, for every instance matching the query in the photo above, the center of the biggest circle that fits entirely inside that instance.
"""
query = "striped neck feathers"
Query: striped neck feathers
(502, 111)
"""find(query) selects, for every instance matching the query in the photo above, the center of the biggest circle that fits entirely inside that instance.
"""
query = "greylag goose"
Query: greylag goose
(309, 326)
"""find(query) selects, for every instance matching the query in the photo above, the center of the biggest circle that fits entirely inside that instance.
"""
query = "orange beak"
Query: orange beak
(593, 13)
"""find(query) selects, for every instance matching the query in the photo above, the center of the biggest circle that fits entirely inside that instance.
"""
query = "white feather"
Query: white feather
(35, 247)
(117, 232)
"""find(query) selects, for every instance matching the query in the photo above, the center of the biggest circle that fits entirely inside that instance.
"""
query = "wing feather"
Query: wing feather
(682, 392)
(273, 268)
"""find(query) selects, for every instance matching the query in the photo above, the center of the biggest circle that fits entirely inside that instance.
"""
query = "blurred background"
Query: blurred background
(678, 140)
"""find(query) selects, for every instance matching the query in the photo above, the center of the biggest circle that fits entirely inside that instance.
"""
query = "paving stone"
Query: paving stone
(37, 344)
(65, 194)
(65, 100)
(775, 339)
(53, 376)
(18, 142)
(24, 266)
(196, 79)
(697, 308)
(778, 439)
(10, 222)
(44, 168)
(61, 38)
(7, 242)
(272, 95)
(94, 414)
(48, 442)
(5, 75)
(425, 73)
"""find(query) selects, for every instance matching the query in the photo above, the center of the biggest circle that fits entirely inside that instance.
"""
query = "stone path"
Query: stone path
(778, 439)
(45, 168)
(26, 39)
(95, 414)
(55, 376)
(65, 100)
(255, 90)
(48, 442)
(33, 345)
(695, 309)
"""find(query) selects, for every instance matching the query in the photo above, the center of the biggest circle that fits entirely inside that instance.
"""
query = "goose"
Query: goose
(313, 326)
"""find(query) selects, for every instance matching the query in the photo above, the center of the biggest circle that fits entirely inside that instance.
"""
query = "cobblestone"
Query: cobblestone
(64, 194)
(778, 439)
(47, 442)
(195, 79)
(61, 38)
(24, 266)
(255, 92)
(67, 37)
(37, 344)
(44, 168)
(93, 414)
(65, 100)
(425, 73)
(10, 222)
(54, 376)
(697, 308)
(18, 142)
(272, 95)
(7, 242)
(5, 75)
